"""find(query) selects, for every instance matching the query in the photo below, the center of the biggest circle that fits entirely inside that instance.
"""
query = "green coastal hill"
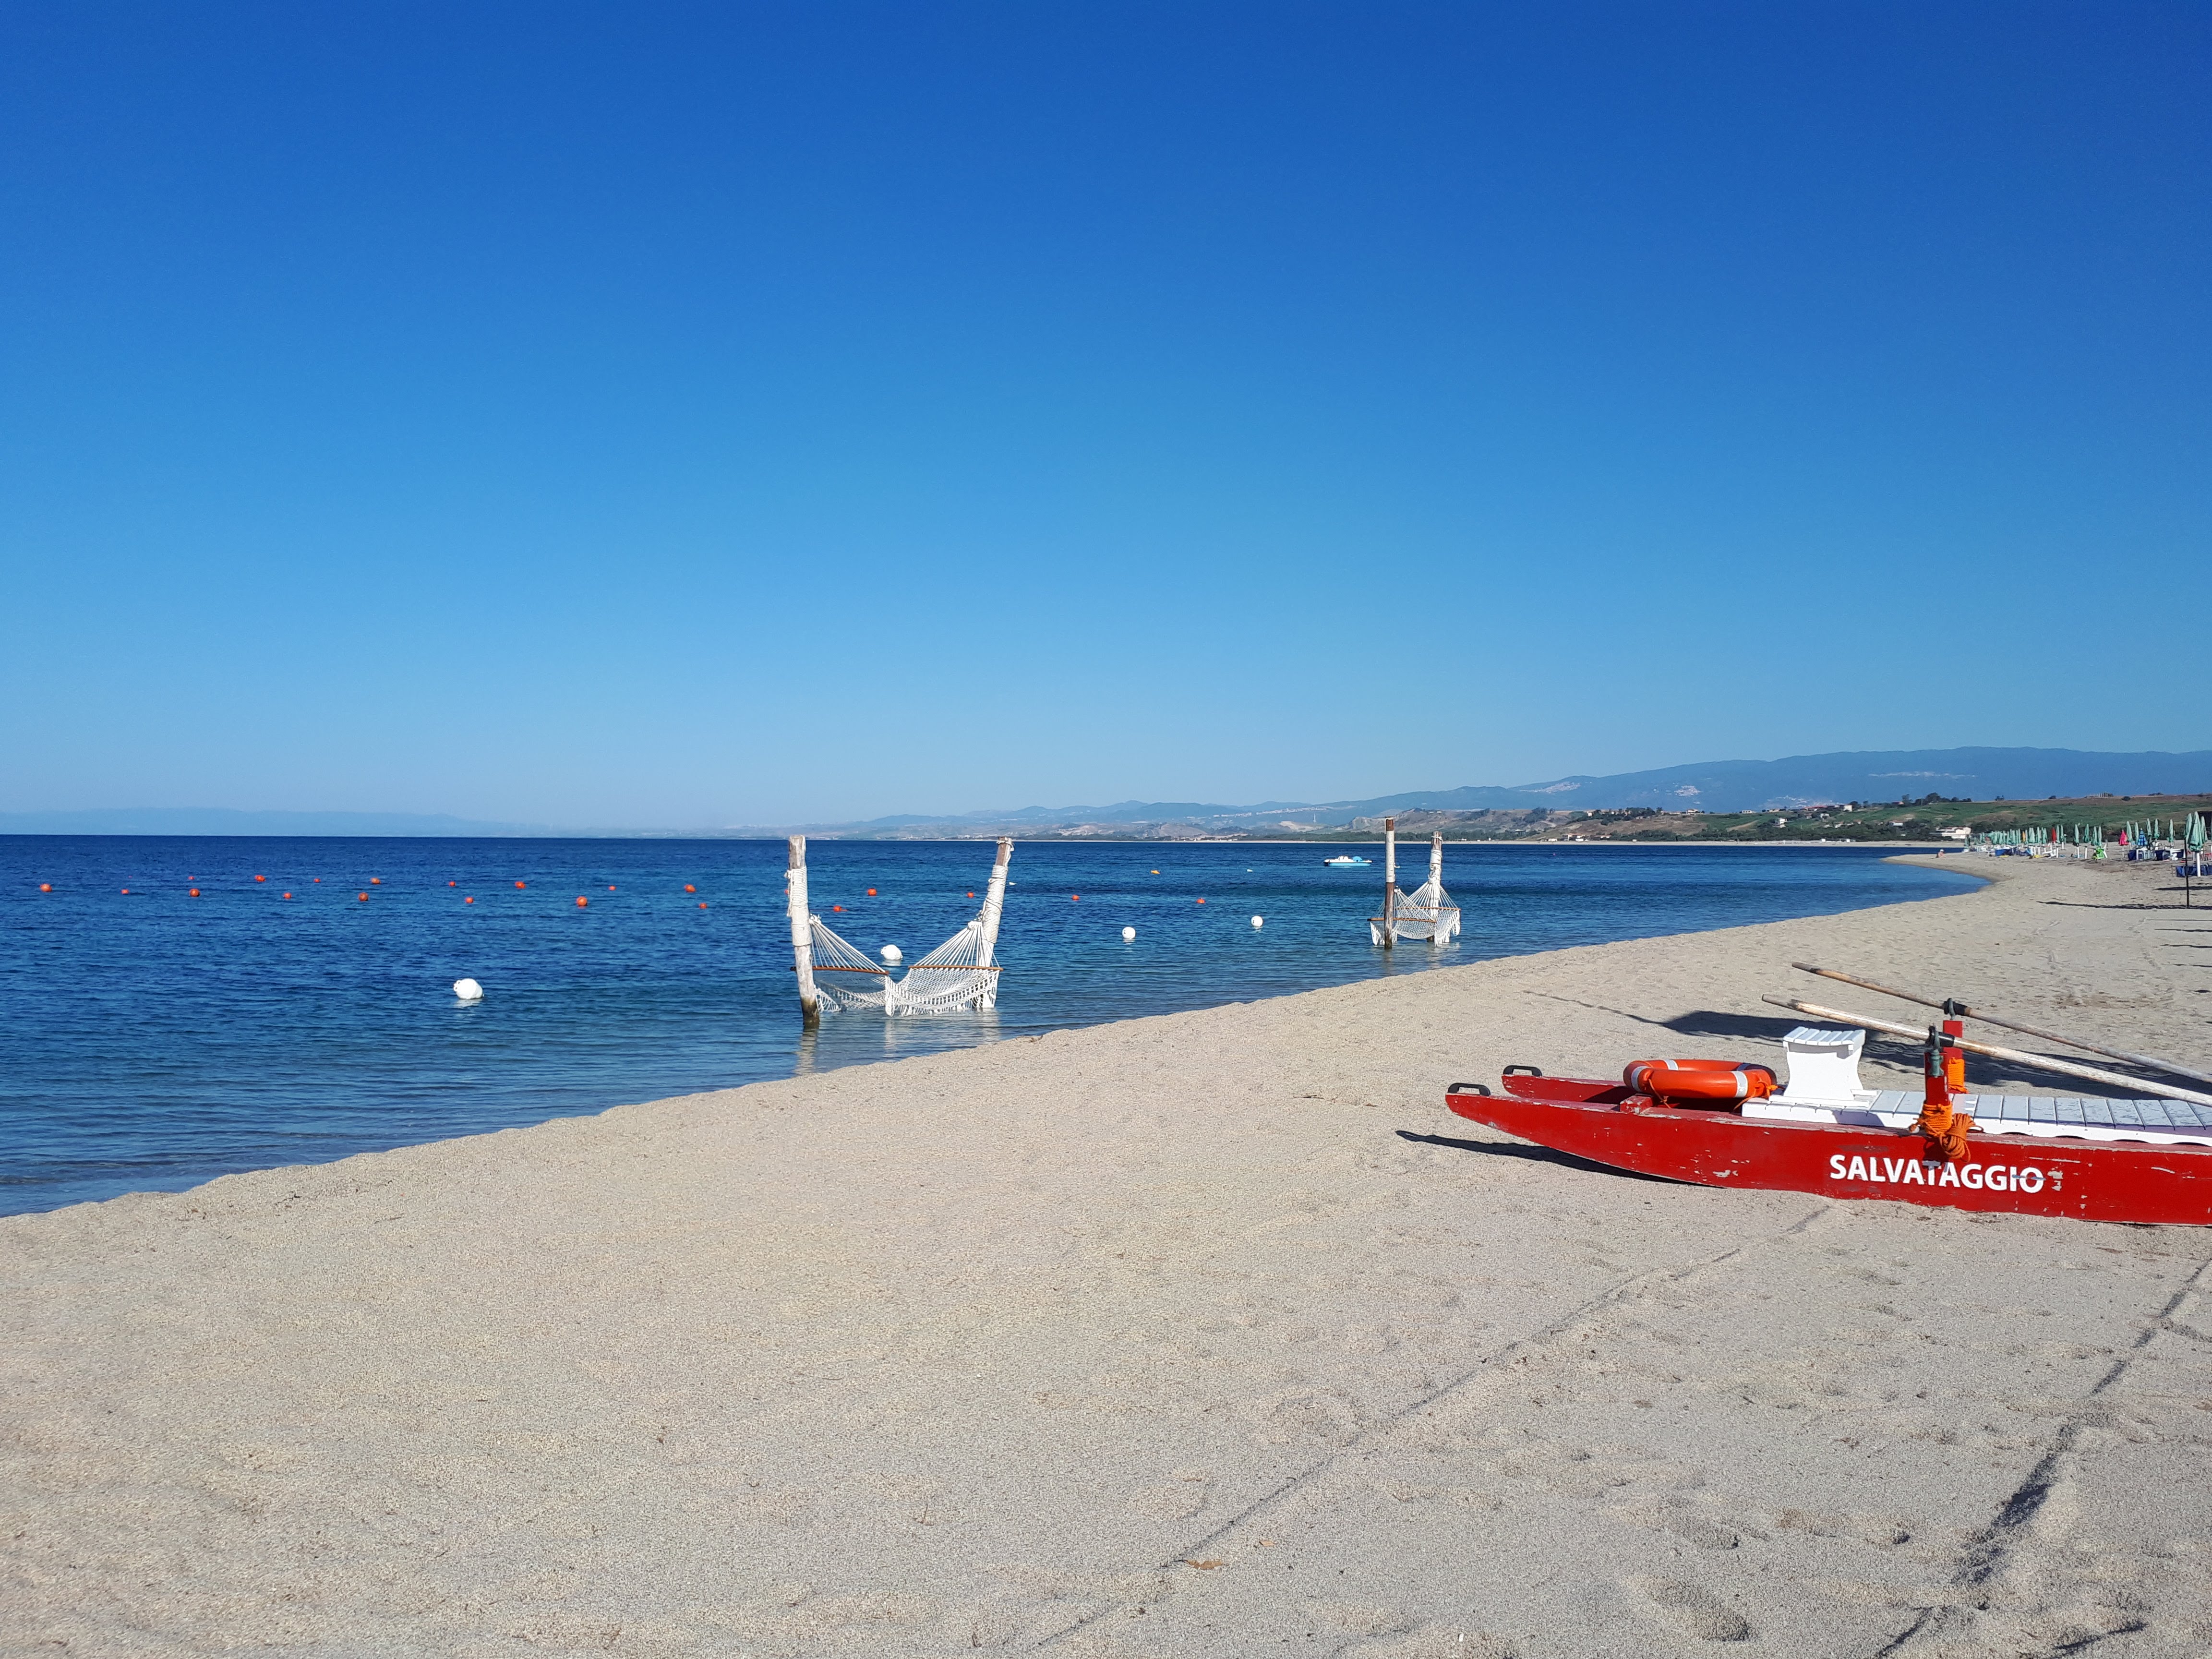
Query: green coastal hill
(1923, 820)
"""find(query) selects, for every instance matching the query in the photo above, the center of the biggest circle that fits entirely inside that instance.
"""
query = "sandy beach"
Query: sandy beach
(1209, 1334)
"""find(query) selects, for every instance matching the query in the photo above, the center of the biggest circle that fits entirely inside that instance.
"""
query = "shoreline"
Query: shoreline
(682, 999)
(1192, 1333)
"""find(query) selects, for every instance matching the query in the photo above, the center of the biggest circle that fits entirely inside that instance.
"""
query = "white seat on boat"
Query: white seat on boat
(1824, 1066)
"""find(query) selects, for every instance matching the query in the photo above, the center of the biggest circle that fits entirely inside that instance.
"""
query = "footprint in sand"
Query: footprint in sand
(1684, 1523)
(1176, 1499)
(1326, 1415)
(1692, 1610)
(1885, 1531)
(1438, 1641)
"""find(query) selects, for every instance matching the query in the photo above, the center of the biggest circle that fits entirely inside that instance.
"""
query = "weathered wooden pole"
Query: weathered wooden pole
(994, 906)
(802, 934)
(1390, 883)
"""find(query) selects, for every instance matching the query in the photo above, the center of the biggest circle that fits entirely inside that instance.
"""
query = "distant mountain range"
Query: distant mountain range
(1742, 786)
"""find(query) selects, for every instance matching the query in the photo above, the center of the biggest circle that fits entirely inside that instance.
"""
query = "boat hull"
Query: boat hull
(2083, 1180)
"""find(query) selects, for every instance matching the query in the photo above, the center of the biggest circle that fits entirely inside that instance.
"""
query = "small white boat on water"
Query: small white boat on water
(1346, 861)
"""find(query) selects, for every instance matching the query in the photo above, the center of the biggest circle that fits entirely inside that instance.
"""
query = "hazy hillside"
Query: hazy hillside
(1741, 786)
(1738, 786)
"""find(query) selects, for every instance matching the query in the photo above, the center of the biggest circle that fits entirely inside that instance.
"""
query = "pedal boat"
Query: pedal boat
(2138, 1161)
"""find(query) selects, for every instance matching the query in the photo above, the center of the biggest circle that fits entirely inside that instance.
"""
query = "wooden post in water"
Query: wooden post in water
(994, 905)
(802, 934)
(1390, 883)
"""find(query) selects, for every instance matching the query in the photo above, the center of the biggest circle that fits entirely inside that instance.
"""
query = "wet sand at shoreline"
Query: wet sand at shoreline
(1212, 1333)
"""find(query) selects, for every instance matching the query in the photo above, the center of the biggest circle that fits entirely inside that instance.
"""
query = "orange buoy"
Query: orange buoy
(518, 884)
(1201, 900)
(971, 895)
(126, 892)
(689, 888)
(196, 892)
(703, 904)
(364, 899)
(261, 877)
(288, 896)
(836, 907)
(452, 884)
(581, 900)
(872, 892)
(610, 887)
(1075, 898)
(469, 900)
(1700, 1080)
(45, 887)
(316, 879)
(376, 881)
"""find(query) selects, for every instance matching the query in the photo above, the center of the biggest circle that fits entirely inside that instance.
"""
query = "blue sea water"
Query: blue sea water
(153, 1040)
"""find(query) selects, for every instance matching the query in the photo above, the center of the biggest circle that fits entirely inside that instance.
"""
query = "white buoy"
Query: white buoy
(891, 953)
(1259, 922)
(1128, 936)
(468, 990)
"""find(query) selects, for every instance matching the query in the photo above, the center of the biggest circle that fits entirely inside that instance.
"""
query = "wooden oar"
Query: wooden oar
(2044, 1062)
(2009, 1025)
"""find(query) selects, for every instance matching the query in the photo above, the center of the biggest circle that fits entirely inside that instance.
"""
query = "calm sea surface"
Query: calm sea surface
(153, 1040)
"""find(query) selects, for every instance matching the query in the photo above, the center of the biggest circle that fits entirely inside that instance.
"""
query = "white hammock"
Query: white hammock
(958, 975)
(952, 979)
(1427, 911)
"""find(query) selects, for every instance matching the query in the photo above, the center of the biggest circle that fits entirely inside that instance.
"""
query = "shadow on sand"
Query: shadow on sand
(1528, 1154)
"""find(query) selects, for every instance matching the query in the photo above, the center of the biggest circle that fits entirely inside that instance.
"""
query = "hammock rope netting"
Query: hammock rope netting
(958, 975)
(1426, 913)
(952, 979)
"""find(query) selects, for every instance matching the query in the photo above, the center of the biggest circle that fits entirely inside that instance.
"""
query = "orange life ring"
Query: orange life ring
(1700, 1080)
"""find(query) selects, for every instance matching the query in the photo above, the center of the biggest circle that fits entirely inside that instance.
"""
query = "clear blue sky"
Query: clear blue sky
(665, 415)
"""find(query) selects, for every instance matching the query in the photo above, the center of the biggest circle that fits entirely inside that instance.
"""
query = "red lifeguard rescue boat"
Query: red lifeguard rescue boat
(1718, 1124)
